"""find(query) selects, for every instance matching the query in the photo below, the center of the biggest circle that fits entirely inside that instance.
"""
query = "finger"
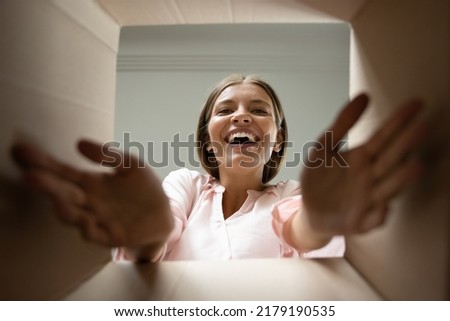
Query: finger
(64, 195)
(86, 220)
(25, 157)
(396, 122)
(107, 155)
(29, 157)
(68, 213)
(409, 139)
(348, 117)
(94, 232)
(374, 219)
(391, 185)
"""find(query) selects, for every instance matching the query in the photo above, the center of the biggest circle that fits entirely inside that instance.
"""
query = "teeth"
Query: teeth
(250, 136)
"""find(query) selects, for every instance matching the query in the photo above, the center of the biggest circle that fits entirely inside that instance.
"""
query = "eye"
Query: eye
(224, 111)
(260, 111)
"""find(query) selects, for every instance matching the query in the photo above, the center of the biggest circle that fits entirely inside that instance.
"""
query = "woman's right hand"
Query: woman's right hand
(126, 207)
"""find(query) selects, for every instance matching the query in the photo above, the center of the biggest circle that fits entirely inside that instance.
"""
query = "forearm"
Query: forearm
(298, 232)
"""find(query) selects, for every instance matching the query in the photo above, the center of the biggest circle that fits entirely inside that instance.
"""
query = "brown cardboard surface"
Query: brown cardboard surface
(57, 80)
(400, 49)
(160, 12)
(58, 61)
(41, 258)
(257, 279)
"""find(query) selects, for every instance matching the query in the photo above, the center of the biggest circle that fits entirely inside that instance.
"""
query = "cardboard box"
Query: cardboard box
(57, 83)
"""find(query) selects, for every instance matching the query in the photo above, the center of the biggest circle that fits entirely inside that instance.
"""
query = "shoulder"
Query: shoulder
(187, 178)
(183, 172)
(287, 188)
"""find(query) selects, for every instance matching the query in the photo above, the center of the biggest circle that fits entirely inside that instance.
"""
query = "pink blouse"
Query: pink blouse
(254, 231)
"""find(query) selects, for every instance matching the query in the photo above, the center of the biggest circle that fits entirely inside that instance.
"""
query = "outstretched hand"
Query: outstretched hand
(348, 192)
(126, 207)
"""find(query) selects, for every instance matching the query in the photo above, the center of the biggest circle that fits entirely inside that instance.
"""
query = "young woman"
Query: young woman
(233, 211)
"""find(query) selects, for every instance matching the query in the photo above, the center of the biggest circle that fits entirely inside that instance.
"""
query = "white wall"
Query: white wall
(166, 72)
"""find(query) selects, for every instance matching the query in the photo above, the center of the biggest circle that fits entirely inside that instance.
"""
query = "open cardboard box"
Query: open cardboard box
(57, 84)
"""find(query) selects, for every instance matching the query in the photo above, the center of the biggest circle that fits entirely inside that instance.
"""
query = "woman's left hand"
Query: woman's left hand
(348, 192)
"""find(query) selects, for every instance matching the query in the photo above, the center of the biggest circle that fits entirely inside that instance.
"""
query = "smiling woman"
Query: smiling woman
(233, 213)
(241, 136)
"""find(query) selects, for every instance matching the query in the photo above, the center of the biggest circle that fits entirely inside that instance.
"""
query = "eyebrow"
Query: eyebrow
(257, 100)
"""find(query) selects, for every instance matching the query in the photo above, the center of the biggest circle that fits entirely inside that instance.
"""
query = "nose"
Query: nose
(241, 116)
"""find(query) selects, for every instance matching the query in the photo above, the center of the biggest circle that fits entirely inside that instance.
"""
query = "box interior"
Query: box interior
(57, 84)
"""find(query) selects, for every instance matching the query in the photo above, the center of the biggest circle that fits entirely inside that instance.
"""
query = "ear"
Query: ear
(279, 143)
(209, 148)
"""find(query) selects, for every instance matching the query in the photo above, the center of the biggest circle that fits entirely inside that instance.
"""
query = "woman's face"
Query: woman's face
(242, 127)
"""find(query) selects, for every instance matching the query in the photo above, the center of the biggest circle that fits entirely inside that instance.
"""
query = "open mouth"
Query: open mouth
(242, 139)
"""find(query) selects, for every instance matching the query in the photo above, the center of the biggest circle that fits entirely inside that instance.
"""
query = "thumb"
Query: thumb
(348, 116)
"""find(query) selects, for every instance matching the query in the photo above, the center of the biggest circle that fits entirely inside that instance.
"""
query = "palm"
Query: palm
(126, 207)
(350, 191)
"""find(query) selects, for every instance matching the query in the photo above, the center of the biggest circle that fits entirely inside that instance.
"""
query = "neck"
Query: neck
(241, 179)
(236, 186)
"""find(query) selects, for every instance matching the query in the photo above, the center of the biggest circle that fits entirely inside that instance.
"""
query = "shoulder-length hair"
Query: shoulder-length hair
(209, 162)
